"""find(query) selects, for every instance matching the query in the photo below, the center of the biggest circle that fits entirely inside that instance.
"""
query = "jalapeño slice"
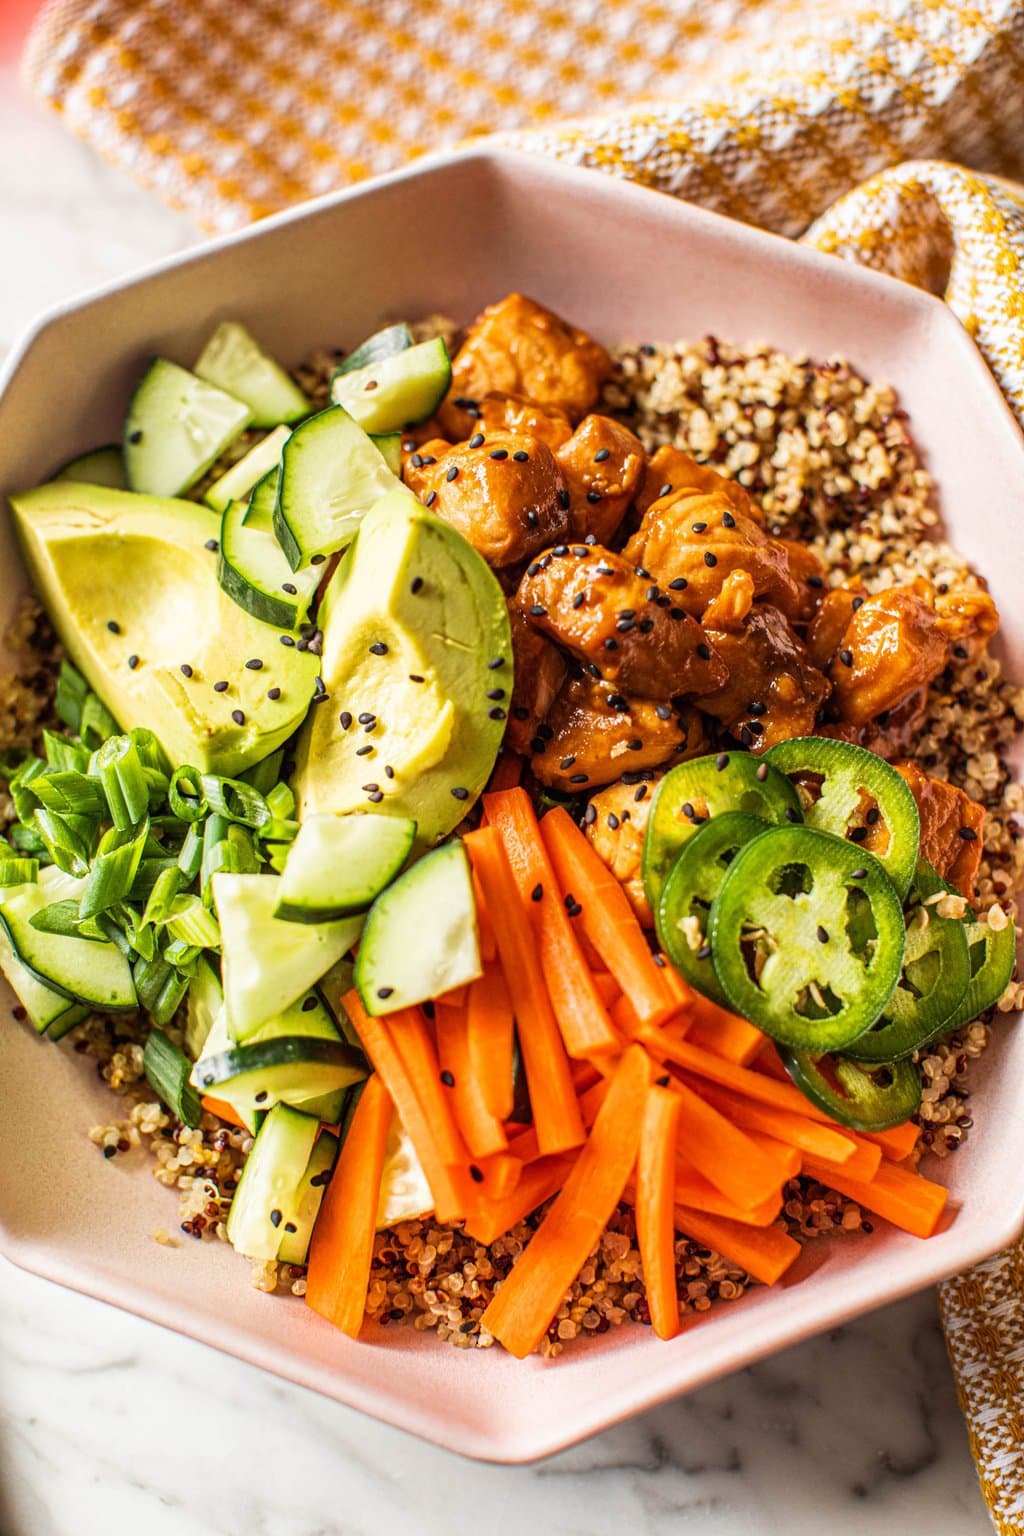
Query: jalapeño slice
(936, 974)
(694, 881)
(860, 797)
(693, 792)
(807, 938)
(863, 1096)
(993, 956)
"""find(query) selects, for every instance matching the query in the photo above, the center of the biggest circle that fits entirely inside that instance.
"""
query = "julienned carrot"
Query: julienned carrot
(788, 1160)
(764, 1252)
(655, 1216)
(555, 1111)
(408, 1029)
(863, 1165)
(606, 986)
(607, 918)
(681, 990)
(724, 1154)
(582, 1016)
(225, 1112)
(906, 1199)
(521, 1311)
(481, 1129)
(490, 1031)
(537, 1182)
(897, 1142)
(693, 1189)
(584, 1076)
(455, 998)
(451, 1188)
(758, 1086)
(726, 1034)
(508, 770)
(485, 928)
(341, 1248)
(797, 1131)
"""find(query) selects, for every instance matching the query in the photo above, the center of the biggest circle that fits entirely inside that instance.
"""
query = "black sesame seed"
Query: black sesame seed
(601, 455)
(611, 644)
(521, 456)
(448, 1079)
(185, 669)
(699, 527)
(385, 992)
(212, 545)
(593, 497)
(822, 935)
(728, 521)
(133, 662)
(873, 816)
(579, 599)
(560, 550)
(376, 796)
(363, 751)
(538, 611)
(856, 836)
(666, 489)
(273, 693)
(113, 626)
(531, 518)
(709, 558)
(563, 499)
(477, 440)
(498, 453)
(345, 720)
(254, 664)
(135, 437)
(538, 746)
(238, 716)
(308, 1004)
(417, 460)
(460, 793)
(641, 793)
(624, 626)
(276, 1218)
(688, 810)
(497, 713)
(590, 815)
(757, 709)
(704, 651)
(537, 893)
(378, 648)
(580, 551)
(389, 772)
(476, 1174)
(704, 953)
(366, 718)
(722, 761)
(663, 711)
(317, 559)
(414, 677)
(818, 581)
(578, 778)
(791, 814)
(262, 1096)
(430, 499)
(109, 1152)
(287, 586)
(590, 538)
(846, 657)
(677, 613)
(287, 640)
(613, 821)
(968, 834)
(220, 687)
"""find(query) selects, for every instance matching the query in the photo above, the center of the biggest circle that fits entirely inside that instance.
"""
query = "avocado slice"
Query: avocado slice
(130, 583)
(416, 636)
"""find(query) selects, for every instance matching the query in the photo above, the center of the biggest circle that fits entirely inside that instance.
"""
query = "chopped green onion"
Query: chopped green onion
(149, 872)
(63, 918)
(167, 1070)
(151, 753)
(281, 802)
(114, 868)
(183, 956)
(276, 855)
(63, 753)
(64, 845)
(70, 793)
(15, 871)
(190, 859)
(97, 723)
(72, 692)
(19, 788)
(120, 771)
(235, 800)
(185, 794)
(263, 776)
(195, 924)
(228, 847)
(26, 840)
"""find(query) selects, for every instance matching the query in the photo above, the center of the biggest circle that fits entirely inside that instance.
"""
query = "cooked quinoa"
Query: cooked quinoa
(829, 457)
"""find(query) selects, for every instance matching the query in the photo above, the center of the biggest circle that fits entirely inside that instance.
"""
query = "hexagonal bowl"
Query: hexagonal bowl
(451, 235)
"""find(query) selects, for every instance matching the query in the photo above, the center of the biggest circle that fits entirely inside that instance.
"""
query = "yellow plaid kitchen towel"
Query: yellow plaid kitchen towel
(778, 112)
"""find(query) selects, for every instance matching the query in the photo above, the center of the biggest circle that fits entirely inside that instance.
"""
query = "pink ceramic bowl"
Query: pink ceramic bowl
(452, 235)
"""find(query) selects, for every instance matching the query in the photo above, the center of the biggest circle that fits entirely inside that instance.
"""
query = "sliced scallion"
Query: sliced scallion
(18, 871)
(235, 800)
(195, 924)
(263, 776)
(70, 793)
(281, 802)
(69, 699)
(114, 869)
(119, 769)
(63, 843)
(167, 1070)
(185, 794)
(97, 723)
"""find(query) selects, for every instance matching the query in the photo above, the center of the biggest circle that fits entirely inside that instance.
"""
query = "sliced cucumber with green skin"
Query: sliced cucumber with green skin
(47, 1009)
(289, 1070)
(331, 475)
(65, 1022)
(270, 1182)
(100, 466)
(236, 483)
(694, 881)
(234, 361)
(692, 792)
(993, 957)
(300, 1218)
(850, 776)
(382, 344)
(255, 574)
(205, 1003)
(259, 511)
(82, 969)
(328, 1107)
(421, 937)
(935, 978)
(332, 988)
(389, 446)
(176, 426)
(337, 865)
(266, 964)
(397, 391)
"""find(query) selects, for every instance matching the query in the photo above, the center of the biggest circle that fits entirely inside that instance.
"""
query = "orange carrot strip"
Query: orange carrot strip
(225, 1112)
(607, 918)
(520, 1312)
(490, 1031)
(787, 1159)
(606, 986)
(537, 1183)
(555, 1111)
(897, 1195)
(764, 1252)
(482, 1131)
(408, 1029)
(655, 1216)
(795, 1130)
(725, 1155)
(726, 1034)
(681, 990)
(862, 1165)
(488, 947)
(769, 1061)
(742, 1080)
(508, 770)
(455, 998)
(897, 1142)
(341, 1248)
(450, 1187)
(582, 1016)
(693, 1189)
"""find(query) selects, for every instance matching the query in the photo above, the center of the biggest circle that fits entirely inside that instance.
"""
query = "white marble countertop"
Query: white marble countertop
(106, 1420)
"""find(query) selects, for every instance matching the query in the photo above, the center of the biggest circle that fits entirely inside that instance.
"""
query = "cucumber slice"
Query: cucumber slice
(100, 466)
(338, 864)
(421, 937)
(270, 1182)
(84, 970)
(404, 1192)
(332, 988)
(255, 574)
(232, 360)
(239, 480)
(259, 512)
(396, 391)
(267, 963)
(176, 426)
(331, 475)
(289, 1070)
(389, 446)
(47, 1010)
(205, 1003)
(382, 344)
(328, 1107)
(300, 1219)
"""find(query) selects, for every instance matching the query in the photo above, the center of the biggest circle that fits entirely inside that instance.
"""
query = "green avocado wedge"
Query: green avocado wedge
(130, 583)
(417, 662)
